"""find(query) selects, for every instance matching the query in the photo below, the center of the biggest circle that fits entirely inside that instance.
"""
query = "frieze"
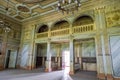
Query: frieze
(112, 16)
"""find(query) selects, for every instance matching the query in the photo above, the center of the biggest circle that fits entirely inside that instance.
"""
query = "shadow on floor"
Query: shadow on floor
(85, 75)
(38, 74)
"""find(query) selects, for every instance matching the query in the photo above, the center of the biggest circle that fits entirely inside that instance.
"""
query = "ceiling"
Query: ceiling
(29, 11)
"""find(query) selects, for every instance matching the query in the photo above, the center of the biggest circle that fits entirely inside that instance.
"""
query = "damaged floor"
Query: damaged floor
(39, 74)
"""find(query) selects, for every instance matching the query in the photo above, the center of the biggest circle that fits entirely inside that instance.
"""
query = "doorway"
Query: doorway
(11, 58)
(85, 55)
(66, 61)
(41, 55)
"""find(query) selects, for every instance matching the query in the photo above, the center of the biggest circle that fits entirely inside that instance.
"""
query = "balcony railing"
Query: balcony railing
(83, 28)
(60, 32)
(42, 35)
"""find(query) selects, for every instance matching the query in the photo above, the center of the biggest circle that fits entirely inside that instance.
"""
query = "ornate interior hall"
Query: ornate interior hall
(60, 39)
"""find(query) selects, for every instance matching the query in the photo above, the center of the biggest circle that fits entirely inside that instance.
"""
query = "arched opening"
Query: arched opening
(60, 25)
(43, 28)
(83, 20)
(60, 28)
(83, 24)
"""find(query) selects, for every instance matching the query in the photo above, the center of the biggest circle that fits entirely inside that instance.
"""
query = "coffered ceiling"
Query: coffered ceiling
(21, 11)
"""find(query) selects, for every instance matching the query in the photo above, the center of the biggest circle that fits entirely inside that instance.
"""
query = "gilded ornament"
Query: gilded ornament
(116, 17)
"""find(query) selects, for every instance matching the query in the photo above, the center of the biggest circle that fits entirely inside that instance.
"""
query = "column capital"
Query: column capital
(100, 9)
(71, 37)
(49, 39)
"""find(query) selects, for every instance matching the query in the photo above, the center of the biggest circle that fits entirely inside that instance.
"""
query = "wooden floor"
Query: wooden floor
(39, 74)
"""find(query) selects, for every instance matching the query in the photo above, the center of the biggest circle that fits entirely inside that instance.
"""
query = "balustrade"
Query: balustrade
(42, 35)
(83, 28)
(62, 32)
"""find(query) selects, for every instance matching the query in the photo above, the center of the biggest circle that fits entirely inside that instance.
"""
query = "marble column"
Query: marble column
(105, 46)
(58, 55)
(71, 56)
(43, 61)
(3, 50)
(31, 51)
(98, 42)
(48, 62)
(20, 49)
(34, 56)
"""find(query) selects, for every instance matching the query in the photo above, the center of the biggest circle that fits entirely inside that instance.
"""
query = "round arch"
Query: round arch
(60, 25)
(83, 20)
(42, 28)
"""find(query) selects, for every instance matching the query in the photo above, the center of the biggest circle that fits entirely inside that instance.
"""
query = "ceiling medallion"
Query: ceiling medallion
(29, 1)
(23, 8)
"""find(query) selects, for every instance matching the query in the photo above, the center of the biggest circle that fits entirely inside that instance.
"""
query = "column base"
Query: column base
(1, 67)
(29, 67)
(17, 66)
(101, 76)
(71, 73)
(116, 79)
(110, 77)
(48, 70)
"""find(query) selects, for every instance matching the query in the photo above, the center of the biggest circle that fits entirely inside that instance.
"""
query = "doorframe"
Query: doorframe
(6, 57)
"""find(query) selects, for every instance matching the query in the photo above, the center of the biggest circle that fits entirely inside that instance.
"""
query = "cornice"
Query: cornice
(87, 6)
(8, 18)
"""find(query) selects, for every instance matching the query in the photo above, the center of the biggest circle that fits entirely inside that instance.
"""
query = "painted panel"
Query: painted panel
(115, 51)
(24, 55)
(12, 61)
(88, 49)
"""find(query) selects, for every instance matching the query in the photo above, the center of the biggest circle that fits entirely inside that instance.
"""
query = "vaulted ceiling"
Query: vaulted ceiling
(24, 11)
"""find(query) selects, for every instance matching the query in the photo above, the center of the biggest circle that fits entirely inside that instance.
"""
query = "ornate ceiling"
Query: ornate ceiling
(22, 11)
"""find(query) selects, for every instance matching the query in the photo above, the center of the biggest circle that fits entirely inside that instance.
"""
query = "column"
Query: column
(3, 50)
(59, 67)
(48, 62)
(31, 56)
(99, 50)
(20, 49)
(43, 61)
(71, 56)
(34, 56)
(105, 46)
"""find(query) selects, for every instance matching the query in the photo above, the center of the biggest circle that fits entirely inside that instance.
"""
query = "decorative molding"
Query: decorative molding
(112, 15)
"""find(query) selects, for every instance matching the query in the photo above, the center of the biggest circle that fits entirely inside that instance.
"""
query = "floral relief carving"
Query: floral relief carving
(116, 17)
(112, 16)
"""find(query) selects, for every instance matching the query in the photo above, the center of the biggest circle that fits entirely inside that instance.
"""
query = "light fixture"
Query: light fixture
(3, 23)
(5, 26)
(68, 6)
